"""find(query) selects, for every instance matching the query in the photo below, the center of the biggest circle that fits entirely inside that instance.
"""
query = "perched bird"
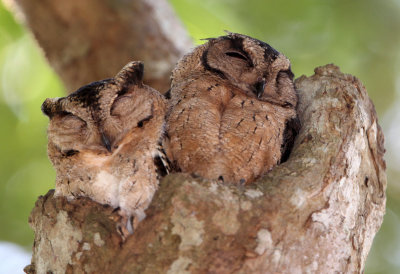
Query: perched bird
(104, 142)
(232, 113)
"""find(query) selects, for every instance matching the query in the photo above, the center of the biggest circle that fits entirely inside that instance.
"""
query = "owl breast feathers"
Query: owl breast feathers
(232, 113)
(103, 141)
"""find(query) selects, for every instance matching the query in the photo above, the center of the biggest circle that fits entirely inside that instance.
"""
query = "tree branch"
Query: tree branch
(318, 212)
(89, 40)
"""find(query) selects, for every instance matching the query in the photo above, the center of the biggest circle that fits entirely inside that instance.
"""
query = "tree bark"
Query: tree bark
(85, 41)
(316, 213)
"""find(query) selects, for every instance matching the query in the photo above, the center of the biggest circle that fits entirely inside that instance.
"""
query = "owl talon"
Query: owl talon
(122, 231)
(129, 225)
(125, 227)
(117, 209)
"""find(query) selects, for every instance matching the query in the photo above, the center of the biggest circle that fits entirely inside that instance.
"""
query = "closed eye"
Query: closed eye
(286, 73)
(235, 54)
(70, 152)
(69, 120)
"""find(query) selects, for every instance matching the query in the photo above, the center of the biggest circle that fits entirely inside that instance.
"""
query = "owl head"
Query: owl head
(98, 134)
(99, 115)
(250, 65)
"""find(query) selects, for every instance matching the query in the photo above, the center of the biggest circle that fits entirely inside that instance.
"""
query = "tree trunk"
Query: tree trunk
(85, 41)
(316, 213)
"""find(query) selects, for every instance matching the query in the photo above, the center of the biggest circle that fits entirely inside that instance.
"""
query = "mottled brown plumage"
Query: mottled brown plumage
(232, 109)
(103, 141)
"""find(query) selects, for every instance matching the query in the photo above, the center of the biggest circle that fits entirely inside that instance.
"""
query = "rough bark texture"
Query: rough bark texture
(316, 213)
(85, 41)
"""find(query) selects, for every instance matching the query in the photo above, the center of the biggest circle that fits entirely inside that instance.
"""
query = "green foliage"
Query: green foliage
(361, 36)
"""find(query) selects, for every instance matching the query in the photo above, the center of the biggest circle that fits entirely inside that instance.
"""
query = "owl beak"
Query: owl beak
(106, 141)
(259, 88)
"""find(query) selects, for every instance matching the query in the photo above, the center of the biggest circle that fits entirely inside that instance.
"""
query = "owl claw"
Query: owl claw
(106, 141)
(126, 226)
(122, 231)
(129, 225)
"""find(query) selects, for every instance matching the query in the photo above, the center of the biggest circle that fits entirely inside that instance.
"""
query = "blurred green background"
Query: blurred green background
(360, 36)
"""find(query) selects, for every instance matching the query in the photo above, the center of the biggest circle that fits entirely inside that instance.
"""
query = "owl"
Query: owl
(104, 142)
(232, 113)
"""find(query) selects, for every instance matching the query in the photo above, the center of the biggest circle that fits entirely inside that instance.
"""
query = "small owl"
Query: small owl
(104, 142)
(232, 115)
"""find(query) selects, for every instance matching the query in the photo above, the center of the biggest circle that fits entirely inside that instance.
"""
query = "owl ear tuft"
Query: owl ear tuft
(48, 108)
(130, 74)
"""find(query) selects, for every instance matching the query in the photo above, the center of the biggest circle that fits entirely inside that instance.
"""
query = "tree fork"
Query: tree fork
(317, 212)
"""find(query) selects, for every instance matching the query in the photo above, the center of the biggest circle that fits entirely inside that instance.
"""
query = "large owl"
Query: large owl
(232, 114)
(104, 142)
